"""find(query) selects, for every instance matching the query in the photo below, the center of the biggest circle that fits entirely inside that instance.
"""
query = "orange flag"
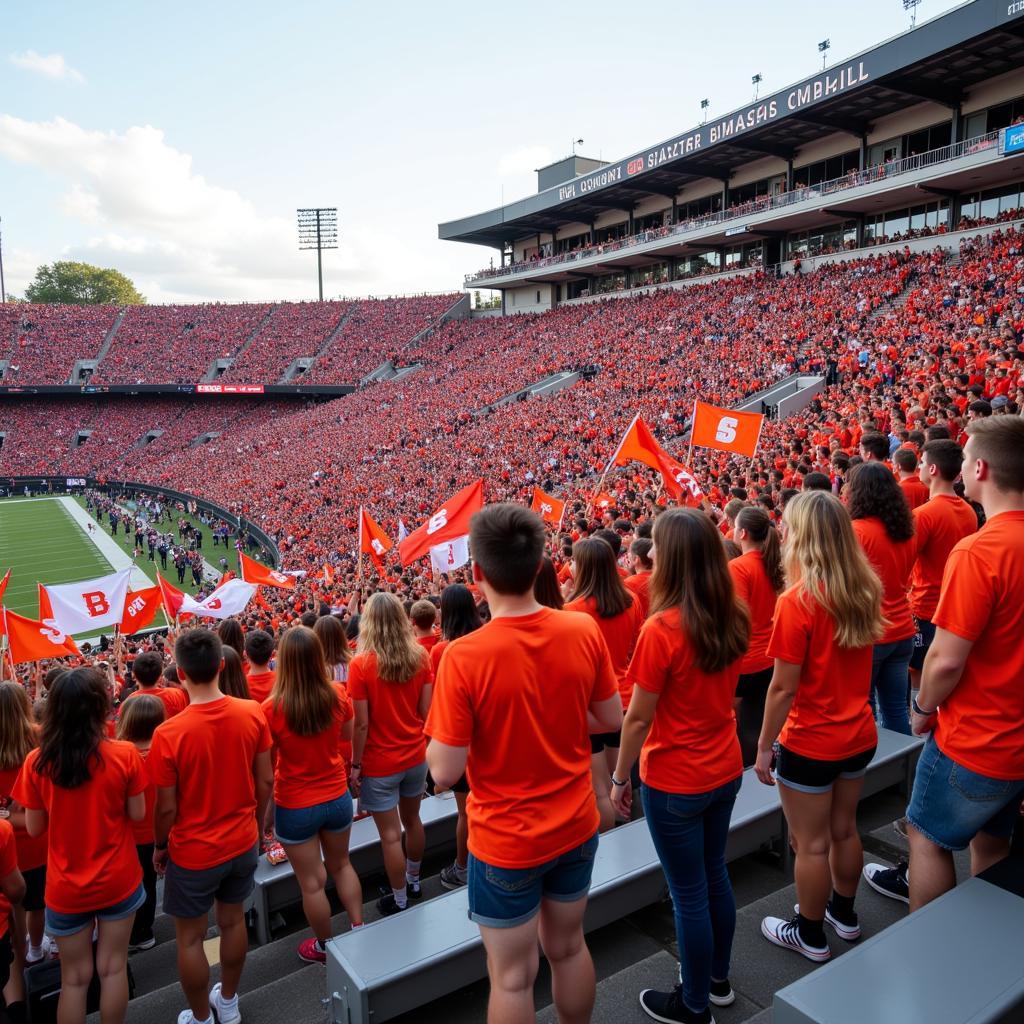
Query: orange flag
(29, 640)
(45, 608)
(262, 575)
(639, 444)
(679, 480)
(726, 429)
(3, 583)
(171, 598)
(140, 608)
(548, 508)
(328, 574)
(603, 501)
(229, 575)
(449, 523)
(373, 541)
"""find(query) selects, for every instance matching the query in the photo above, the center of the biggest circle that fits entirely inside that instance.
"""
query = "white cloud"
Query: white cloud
(177, 235)
(51, 65)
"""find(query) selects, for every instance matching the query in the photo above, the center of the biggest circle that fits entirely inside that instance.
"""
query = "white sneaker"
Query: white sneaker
(227, 1013)
(847, 932)
(188, 1017)
(787, 935)
(47, 948)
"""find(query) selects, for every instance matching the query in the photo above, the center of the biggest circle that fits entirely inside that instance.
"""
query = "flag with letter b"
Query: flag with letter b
(728, 430)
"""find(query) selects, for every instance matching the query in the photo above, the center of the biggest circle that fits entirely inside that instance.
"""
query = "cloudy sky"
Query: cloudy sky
(174, 142)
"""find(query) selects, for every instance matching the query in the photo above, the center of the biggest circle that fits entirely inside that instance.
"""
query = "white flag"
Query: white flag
(452, 554)
(90, 604)
(402, 531)
(228, 599)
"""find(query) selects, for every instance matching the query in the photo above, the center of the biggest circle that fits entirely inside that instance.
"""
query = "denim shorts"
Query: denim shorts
(507, 897)
(950, 804)
(71, 924)
(382, 793)
(294, 825)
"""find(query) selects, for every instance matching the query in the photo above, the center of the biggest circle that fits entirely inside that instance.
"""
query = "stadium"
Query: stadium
(722, 323)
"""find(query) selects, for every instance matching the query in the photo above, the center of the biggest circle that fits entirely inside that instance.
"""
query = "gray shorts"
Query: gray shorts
(383, 792)
(189, 893)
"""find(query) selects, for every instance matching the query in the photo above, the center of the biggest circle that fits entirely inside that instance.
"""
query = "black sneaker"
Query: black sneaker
(669, 1007)
(787, 935)
(141, 944)
(891, 882)
(387, 905)
(722, 993)
(413, 891)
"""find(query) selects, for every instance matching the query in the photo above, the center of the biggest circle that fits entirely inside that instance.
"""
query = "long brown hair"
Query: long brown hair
(691, 573)
(762, 532)
(545, 586)
(139, 718)
(232, 679)
(596, 576)
(331, 634)
(385, 630)
(303, 690)
(17, 732)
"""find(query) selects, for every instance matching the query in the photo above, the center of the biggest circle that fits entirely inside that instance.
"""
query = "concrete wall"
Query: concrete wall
(997, 90)
(534, 298)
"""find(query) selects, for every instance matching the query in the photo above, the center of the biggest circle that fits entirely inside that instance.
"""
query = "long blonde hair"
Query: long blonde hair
(302, 690)
(17, 733)
(823, 556)
(385, 630)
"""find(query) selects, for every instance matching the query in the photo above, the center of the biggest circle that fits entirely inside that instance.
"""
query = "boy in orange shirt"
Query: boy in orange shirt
(970, 777)
(212, 769)
(513, 706)
(259, 649)
(424, 617)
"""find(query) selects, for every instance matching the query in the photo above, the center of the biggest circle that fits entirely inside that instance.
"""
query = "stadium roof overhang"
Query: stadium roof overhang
(938, 61)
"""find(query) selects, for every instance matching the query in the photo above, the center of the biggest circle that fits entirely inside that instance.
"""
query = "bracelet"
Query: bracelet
(615, 781)
(918, 710)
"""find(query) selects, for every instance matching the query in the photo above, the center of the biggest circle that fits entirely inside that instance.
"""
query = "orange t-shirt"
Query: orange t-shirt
(893, 561)
(394, 740)
(435, 656)
(752, 584)
(428, 642)
(639, 585)
(260, 685)
(981, 723)
(207, 754)
(31, 852)
(692, 746)
(174, 699)
(516, 692)
(8, 863)
(91, 862)
(914, 491)
(309, 770)
(830, 717)
(620, 633)
(143, 830)
(939, 525)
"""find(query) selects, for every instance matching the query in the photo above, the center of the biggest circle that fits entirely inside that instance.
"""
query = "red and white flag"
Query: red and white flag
(680, 483)
(89, 604)
(170, 597)
(448, 524)
(549, 508)
(727, 430)
(373, 541)
(140, 609)
(262, 575)
(29, 640)
(227, 600)
(452, 554)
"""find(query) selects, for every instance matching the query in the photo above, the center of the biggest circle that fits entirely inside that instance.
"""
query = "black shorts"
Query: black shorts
(600, 740)
(808, 775)
(754, 685)
(462, 786)
(922, 641)
(35, 887)
(189, 893)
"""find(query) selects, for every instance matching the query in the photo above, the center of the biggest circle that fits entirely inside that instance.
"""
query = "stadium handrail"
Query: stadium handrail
(75, 484)
(852, 179)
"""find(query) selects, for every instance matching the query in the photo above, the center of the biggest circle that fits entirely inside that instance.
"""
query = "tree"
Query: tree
(80, 284)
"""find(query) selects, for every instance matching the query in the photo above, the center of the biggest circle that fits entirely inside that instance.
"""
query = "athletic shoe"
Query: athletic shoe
(891, 882)
(188, 1017)
(226, 1013)
(143, 944)
(847, 932)
(413, 891)
(787, 935)
(47, 949)
(387, 905)
(450, 877)
(900, 827)
(669, 1007)
(311, 952)
(722, 993)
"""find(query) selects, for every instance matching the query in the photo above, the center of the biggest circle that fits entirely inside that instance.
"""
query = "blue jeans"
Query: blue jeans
(890, 681)
(689, 833)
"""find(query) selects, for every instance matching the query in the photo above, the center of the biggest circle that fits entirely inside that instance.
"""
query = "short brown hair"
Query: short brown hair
(507, 542)
(423, 614)
(999, 441)
(946, 456)
(905, 459)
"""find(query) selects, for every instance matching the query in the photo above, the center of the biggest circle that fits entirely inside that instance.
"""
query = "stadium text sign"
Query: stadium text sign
(229, 389)
(824, 86)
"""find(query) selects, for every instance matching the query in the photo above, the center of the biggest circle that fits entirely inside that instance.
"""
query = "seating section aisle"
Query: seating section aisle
(41, 343)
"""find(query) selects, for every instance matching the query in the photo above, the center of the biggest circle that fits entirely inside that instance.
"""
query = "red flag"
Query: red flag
(328, 574)
(170, 597)
(726, 429)
(548, 508)
(638, 443)
(29, 640)
(373, 541)
(603, 501)
(3, 583)
(449, 522)
(229, 575)
(679, 480)
(45, 610)
(262, 575)
(140, 608)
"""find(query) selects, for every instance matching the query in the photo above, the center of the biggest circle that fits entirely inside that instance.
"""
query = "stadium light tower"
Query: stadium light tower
(756, 81)
(912, 6)
(3, 293)
(575, 143)
(318, 229)
(823, 47)
(704, 104)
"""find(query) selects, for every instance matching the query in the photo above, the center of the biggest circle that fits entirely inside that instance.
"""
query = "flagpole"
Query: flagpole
(607, 469)
(359, 572)
(689, 451)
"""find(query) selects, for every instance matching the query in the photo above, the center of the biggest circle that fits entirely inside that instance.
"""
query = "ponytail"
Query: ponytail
(762, 532)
